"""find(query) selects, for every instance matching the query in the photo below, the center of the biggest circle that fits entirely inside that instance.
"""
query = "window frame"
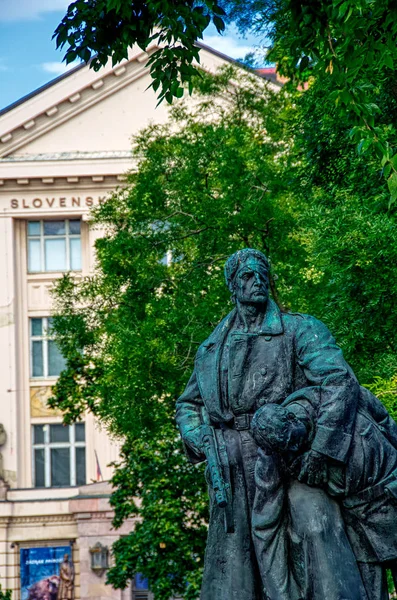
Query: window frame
(72, 444)
(41, 237)
(44, 338)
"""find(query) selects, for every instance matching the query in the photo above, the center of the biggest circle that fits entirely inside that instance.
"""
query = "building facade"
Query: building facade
(63, 149)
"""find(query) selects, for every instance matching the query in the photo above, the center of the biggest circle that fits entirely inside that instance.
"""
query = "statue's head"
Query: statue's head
(247, 276)
(66, 557)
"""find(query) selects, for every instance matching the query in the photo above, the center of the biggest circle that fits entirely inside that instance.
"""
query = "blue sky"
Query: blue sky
(28, 58)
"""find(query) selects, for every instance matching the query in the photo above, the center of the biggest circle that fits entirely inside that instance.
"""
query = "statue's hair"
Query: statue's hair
(239, 258)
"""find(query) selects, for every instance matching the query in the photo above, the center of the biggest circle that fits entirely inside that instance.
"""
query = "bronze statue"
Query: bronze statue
(279, 487)
(66, 580)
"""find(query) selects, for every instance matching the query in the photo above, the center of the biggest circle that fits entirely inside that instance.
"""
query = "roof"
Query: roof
(269, 74)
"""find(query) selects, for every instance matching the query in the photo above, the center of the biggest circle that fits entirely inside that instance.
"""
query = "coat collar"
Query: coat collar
(272, 324)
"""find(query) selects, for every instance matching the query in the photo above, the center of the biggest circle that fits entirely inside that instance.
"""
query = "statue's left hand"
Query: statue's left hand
(314, 469)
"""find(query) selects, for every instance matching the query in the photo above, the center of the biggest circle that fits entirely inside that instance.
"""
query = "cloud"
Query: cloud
(58, 68)
(228, 45)
(27, 10)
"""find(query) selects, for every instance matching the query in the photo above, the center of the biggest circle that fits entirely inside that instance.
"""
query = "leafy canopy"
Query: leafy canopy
(98, 29)
(353, 42)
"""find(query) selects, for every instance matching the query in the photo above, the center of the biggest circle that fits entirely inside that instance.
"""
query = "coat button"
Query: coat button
(263, 371)
(268, 338)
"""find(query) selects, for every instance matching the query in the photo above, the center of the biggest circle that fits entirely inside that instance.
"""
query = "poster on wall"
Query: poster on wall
(39, 569)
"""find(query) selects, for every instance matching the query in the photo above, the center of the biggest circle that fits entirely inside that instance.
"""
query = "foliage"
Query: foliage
(353, 42)
(107, 28)
(208, 183)
(348, 229)
(7, 595)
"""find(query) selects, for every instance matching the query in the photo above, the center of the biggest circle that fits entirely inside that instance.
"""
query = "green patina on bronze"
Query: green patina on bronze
(302, 461)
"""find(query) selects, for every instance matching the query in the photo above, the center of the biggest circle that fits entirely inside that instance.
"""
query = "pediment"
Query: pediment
(87, 111)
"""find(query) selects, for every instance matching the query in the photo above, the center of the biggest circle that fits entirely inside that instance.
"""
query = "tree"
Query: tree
(7, 595)
(108, 28)
(208, 183)
(348, 230)
(352, 41)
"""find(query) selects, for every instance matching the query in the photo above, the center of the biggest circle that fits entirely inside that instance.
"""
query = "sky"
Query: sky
(28, 58)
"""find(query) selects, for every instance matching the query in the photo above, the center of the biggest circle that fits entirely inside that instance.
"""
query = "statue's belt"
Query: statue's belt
(239, 422)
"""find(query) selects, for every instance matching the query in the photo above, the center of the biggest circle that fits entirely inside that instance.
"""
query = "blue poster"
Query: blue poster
(40, 571)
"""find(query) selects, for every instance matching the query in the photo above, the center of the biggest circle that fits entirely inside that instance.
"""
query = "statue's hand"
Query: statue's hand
(314, 469)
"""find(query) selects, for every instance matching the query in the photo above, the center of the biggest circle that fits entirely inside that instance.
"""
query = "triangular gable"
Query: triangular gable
(86, 110)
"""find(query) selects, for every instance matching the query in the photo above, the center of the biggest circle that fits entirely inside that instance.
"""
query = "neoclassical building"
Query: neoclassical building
(63, 148)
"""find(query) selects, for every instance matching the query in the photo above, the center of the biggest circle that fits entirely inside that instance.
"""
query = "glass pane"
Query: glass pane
(55, 255)
(79, 432)
(37, 326)
(54, 227)
(60, 467)
(74, 227)
(34, 256)
(33, 227)
(56, 362)
(75, 254)
(49, 325)
(38, 434)
(80, 466)
(39, 469)
(37, 359)
(59, 433)
(141, 583)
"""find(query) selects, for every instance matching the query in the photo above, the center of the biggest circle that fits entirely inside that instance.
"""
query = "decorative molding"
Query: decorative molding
(42, 520)
(68, 184)
(74, 98)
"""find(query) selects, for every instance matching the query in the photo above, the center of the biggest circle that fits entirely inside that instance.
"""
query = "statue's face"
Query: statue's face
(251, 284)
(66, 557)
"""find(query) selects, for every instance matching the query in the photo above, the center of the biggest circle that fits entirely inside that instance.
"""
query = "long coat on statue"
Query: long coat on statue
(235, 373)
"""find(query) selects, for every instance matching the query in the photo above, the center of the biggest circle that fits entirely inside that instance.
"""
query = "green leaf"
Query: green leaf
(219, 23)
(388, 61)
(392, 184)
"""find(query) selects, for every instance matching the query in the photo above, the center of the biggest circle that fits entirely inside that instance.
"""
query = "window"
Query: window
(46, 359)
(140, 588)
(59, 455)
(54, 246)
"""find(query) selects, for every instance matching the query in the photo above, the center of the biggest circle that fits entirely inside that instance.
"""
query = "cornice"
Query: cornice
(51, 185)
(42, 520)
(87, 96)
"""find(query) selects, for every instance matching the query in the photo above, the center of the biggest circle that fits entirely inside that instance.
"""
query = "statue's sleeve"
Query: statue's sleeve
(331, 384)
(188, 417)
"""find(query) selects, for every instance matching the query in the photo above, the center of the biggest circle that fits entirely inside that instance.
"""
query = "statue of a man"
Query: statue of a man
(66, 580)
(284, 538)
